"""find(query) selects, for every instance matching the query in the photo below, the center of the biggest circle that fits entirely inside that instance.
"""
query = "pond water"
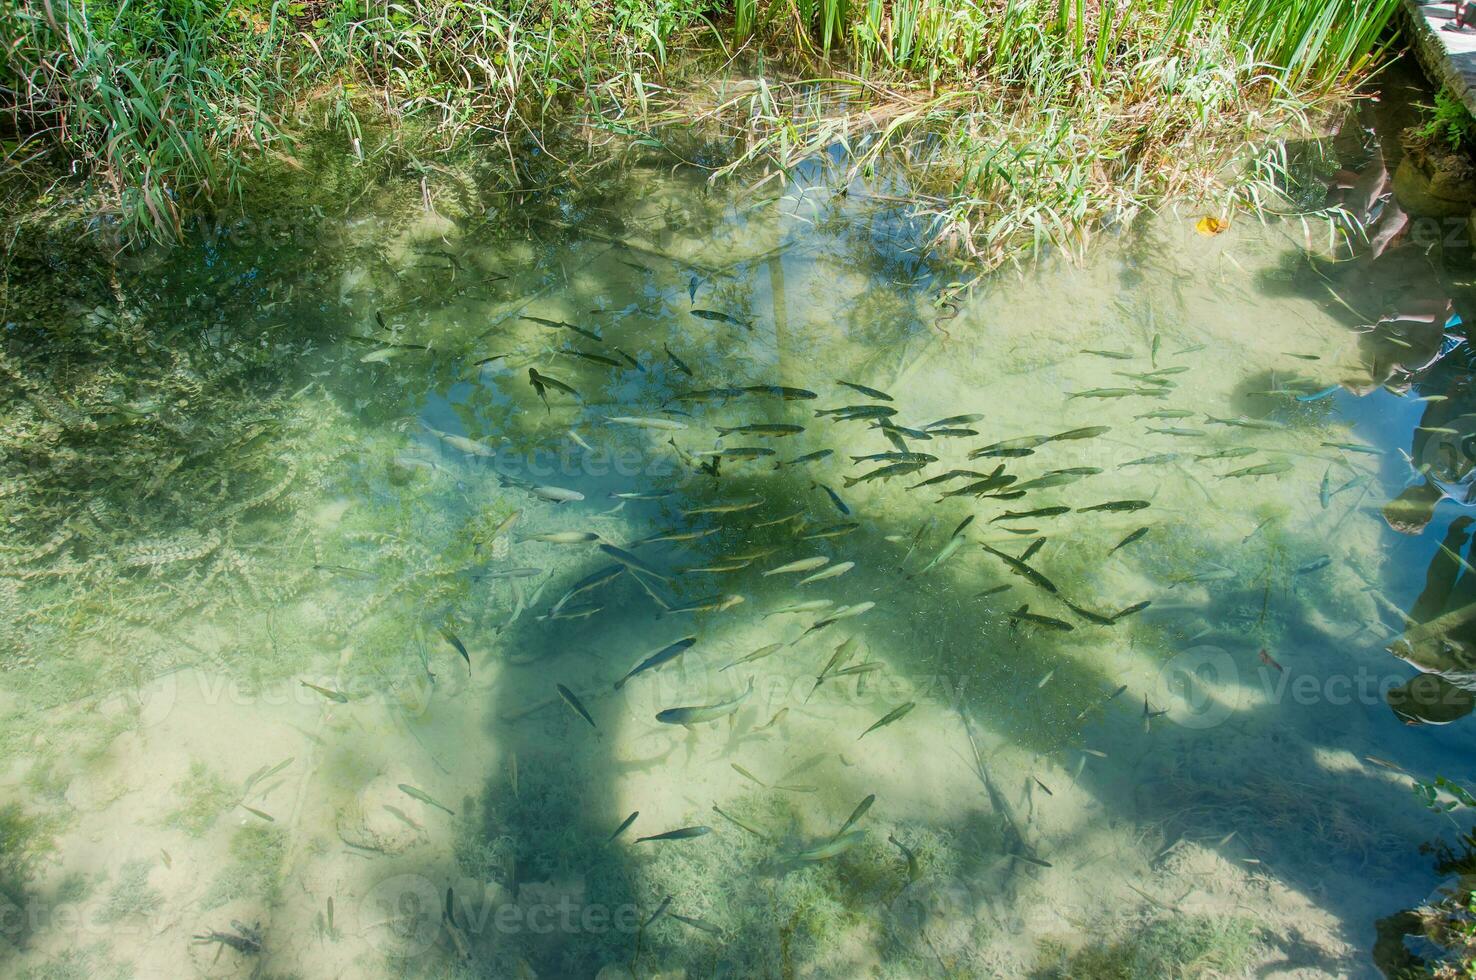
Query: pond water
(1040, 631)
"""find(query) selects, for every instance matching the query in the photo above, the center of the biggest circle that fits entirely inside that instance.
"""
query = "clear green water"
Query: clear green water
(271, 495)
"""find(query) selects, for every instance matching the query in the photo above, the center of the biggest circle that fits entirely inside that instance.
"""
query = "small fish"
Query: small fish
(738, 452)
(1153, 360)
(557, 495)
(1116, 507)
(1319, 395)
(425, 798)
(680, 364)
(1088, 432)
(640, 422)
(830, 531)
(812, 605)
(707, 395)
(760, 653)
(1355, 448)
(1023, 614)
(953, 421)
(1157, 459)
(1324, 492)
(624, 824)
(1270, 661)
(1166, 413)
(719, 317)
(259, 813)
(834, 847)
(833, 571)
(641, 495)
(887, 472)
(1235, 452)
(1264, 469)
(853, 413)
(589, 356)
(674, 534)
(1314, 565)
(562, 325)
(888, 718)
(562, 537)
(729, 508)
(575, 705)
(1129, 539)
(840, 504)
(697, 924)
(1088, 615)
(844, 612)
(1019, 566)
(868, 392)
(1117, 393)
(857, 814)
(168, 861)
(897, 457)
(780, 391)
(1182, 433)
(1022, 446)
(778, 717)
(1020, 515)
(716, 603)
(806, 458)
(331, 695)
(1245, 423)
(682, 833)
(699, 714)
(801, 565)
(630, 561)
(1043, 786)
(455, 642)
(1116, 355)
(665, 655)
(913, 871)
(761, 429)
(955, 541)
(692, 285)
(739, 823)
(843, 653)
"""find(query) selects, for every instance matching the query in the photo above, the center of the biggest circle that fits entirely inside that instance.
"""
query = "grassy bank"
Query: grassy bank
(1012, 121)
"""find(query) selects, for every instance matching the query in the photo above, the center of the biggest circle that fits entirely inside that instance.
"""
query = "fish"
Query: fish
(955, 541)
(868, 392)
(891, 716)
(641, 494)
(259, 813)
(1208, 575)
(1056, 478)
(557, 495)
(560, 324)
(800, 565)
(840, 504)
(1156, 459)
(913, 871)
(898, 457)
(1129, 539)
(1354, 447)
(852, 413)
(336, 696)
(1115, 507)
(811, 605)
(1043, 786)
(681, 833)
(1019, 566)
(1165, 413)
(381, 355)
(1032, 549)
(1314, 565)
(886, 472)
(455, 642)
(778, 717)
(720, 317)
(806, 458)
(1245, 423)
(780, 391)
(642, 422)
(1022, 446)
(461, 443)
(674, 534)
(624, 824)
(1023, 614)
(844, 612)
(680, 364)
(843, 653)
(1264, 469)
(665, 655)
(834, 847)
(990, 487)
(1116, 355)
(729, 508)
(697, 924)
(760, 429)
(1153, 360)
(1235, 452)
(1020, 515)
(1319, 395)
(1270, 661)
(1178, 431)
(707, 395)
(857, 814)
(700, 714)
(956, 433)
(562, 537)
(1089, 432)
(830, 531)
(422, 796)
(542, 382)
(953, 421)
(759, 654)
(833, 571)
(952, 475)
(1324, 491)
(738, 452)
(721, 568)
(1117, 393)
(592, 581)
(499, 573)
(589, 356)
(630, 561)
(628, 359)
(739, 823)
(692, 285)
(716, 603)
(574, 704)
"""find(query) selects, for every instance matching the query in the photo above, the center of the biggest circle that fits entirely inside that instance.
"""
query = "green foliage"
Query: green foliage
(23, 842)
(1179, 947)
(1429, 794)
(255, 871)
(204, 796)
(131, 895)
(1451, 122)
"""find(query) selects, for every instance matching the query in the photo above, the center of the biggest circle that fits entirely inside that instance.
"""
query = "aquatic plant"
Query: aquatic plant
(131, 894)
(255, 869)
(24, 841)
(1450, 122)
(1173, 946)
(203, 797)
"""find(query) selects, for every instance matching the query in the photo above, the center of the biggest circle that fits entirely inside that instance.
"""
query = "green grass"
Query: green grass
(1017, 122)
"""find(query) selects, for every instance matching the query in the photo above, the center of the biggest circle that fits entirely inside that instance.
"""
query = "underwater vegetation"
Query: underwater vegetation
(1171, 946)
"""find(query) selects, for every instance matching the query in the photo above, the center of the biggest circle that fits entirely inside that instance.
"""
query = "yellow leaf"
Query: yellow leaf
(1210, 226)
